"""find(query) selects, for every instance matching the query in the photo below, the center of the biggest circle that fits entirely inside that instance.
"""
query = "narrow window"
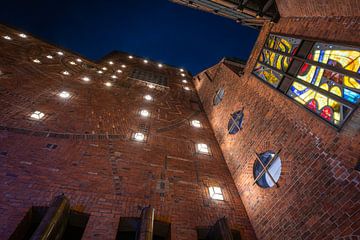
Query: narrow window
(235, 122)
(219, 96)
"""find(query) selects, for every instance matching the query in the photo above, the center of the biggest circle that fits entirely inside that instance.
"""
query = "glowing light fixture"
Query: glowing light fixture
(140, 137)
(111, 63)
(36, 61)
(100, 72)
(64, 94)
(146, 61)
(123, 66)
(119, 71)
(60, 53)
(160, 65)
(183, 74)
(151, 86)
(113, 76)
(86, 79)
(78, 60)
(184, 81)
(66, 73)
(148, 97)
(104, 68)
(7, 37)
(72, 63)
(187, 88)
(144, 113)
(22, 35)
(49, 57)
(37, 115)
(196, 123)
(131, 57)
(108, 84)
(181, 70)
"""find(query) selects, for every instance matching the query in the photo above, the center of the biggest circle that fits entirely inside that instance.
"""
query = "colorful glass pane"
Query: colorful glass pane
(327, 108)
(235, 122)
(267, 74)
(338, 56)
(336, 83)
(283, 44)
(275, 60)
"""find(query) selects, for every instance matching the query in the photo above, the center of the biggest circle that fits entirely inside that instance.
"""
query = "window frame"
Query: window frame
(288, 79)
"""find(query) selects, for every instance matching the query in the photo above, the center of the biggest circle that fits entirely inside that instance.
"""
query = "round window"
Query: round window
(235, 122)
(219, 96)
(267, 172)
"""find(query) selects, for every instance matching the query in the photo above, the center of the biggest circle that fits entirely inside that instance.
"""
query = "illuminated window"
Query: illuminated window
(216, 193)
(22, 35)
(140, 137)
(202, 148)
(267, 169)
(37, 115)
(322, 77)
(235, 122)
(148, 97)
(144, 113)
(64, 94)
(195, 123)
(219, 96)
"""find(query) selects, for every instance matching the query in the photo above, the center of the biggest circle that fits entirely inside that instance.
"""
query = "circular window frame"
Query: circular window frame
(271, 176)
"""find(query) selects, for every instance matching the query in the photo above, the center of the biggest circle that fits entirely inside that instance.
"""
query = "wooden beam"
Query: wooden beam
(53, 224)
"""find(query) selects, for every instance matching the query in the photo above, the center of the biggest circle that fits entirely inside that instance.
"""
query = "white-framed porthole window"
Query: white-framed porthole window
(37, 115)
(216, 193)
(267, 169)
(219, 96)
(202, 148)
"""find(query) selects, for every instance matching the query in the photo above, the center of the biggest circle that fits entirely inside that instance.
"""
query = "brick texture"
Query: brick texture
(318, 8)
(319, 191)
(96, 163)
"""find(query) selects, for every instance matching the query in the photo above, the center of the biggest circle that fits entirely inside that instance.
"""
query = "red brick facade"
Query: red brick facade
(96, 164)
(319, 191)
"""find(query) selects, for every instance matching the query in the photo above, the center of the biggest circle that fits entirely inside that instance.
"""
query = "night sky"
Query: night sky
(156, 29)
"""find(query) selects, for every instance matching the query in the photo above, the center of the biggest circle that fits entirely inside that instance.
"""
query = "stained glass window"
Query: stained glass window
(338, 56)
(219, 96)
(267, 74)
(235, 122)
(323, 77)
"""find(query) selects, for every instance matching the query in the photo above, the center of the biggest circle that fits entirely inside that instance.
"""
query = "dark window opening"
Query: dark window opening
(51, 146)
(129, 226)
(74, 229)
(204, 233)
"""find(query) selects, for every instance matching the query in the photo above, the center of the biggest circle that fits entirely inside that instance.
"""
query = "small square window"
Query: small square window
(37, 115)
(216, 193)
(196, 123)
(202, 148)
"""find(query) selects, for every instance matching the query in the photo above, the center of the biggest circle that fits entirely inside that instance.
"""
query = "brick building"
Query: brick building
(238, 140)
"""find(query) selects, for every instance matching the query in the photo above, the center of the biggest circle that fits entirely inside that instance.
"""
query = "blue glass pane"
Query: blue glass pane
(235, 122)
(351, 96)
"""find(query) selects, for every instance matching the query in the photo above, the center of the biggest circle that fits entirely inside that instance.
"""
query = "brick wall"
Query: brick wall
(96, 163)
(319, 191)
(318, 8)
